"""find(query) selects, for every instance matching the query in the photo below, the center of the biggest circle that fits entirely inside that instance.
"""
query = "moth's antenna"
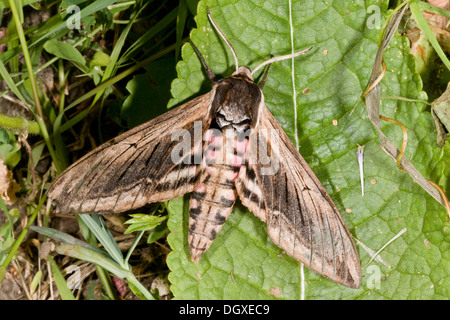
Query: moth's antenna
(224, 38)
(209, 72)
(288, 56)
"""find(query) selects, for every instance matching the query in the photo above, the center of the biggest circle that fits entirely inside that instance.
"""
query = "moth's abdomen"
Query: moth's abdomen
(213, 198)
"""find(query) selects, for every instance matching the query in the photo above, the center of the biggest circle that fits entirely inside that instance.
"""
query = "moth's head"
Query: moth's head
(244, 73)
(236, 100)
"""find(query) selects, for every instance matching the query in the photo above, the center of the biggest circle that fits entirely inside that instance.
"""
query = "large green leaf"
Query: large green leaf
(243, 263)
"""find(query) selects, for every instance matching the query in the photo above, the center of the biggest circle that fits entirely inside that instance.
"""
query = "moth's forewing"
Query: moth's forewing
(135, 168)
(301, 217)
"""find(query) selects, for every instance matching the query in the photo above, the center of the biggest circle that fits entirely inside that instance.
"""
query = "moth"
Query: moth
(232, 147)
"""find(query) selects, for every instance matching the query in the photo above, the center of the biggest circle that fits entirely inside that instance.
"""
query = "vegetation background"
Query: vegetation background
(68, 87)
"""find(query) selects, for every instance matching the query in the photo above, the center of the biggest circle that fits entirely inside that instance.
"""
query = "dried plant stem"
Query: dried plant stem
(405, 140)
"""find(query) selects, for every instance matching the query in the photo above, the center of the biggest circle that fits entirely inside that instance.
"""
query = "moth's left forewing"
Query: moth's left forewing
(137, 167)
(301, 217)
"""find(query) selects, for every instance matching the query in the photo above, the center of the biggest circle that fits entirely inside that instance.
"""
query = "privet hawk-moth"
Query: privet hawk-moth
(219, 146)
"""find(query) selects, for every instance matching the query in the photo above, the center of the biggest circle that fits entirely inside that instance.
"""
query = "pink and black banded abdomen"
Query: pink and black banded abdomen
(213, 198)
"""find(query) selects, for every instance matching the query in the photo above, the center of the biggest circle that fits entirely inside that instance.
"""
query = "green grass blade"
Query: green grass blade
(150, 34)
(428, 7)
(19, 240)
(133, 246)
(67, 125)
(181, 21)
(89, 10)
(11, 84)
(92, 256)
(60, 282)
(138, 289)
(65, 238)
(104, 236)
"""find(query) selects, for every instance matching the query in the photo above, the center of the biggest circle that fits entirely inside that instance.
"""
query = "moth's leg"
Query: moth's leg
(209, 72)
(263, 80)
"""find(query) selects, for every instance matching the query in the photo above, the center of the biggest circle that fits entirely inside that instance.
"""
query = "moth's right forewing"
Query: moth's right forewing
(137, 167)
(301, 217)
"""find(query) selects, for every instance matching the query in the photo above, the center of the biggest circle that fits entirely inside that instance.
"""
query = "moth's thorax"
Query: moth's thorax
(236, 101)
